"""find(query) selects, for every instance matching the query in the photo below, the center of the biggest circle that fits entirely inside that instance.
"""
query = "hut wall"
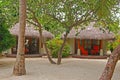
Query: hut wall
(104, 47)
(72, 46)
(7, 52)
(43, 51)
(42, 48)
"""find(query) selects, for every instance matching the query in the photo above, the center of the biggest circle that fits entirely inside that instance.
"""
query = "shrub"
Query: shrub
(55, 44)
(112, 45)
(6, 39)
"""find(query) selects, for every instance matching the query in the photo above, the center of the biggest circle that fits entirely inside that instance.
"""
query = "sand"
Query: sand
(70, 69)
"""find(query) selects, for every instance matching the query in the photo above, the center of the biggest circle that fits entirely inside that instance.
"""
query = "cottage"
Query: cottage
(89, 41)
(32, 39)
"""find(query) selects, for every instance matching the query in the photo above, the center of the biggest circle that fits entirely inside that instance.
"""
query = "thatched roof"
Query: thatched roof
(90, 33)
(95, 33)
(30, 31)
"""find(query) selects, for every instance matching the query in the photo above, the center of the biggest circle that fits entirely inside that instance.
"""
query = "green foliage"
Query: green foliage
(51, 25)
(56, 15)
(55, 44)
(69, 12)
(115, 43)
(47, 22)
(6, 39)
(108, 13)
(10, 10)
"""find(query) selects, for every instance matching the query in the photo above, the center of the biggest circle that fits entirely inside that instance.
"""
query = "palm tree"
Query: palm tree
(111, 63)
(19, 68)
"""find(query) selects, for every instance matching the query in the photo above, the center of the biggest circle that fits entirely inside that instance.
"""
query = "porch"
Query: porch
(26, 55)
(89, 57)
(90, 47)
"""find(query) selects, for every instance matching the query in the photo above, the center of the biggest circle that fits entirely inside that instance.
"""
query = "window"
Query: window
(81, 43)
(87, 44)
(96, 42)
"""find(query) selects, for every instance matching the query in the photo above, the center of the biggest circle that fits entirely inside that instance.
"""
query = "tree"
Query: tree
(6, 39)
(10, 11)
(36, 18)
(35, 21)
(68, 14)
(71, 13)
(19, 68)
(110, 66)
(101, 11)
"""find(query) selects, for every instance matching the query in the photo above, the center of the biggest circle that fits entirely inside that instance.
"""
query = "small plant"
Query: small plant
(55, 44)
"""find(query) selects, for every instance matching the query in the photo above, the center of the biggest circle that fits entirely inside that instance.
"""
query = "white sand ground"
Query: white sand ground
(70, 69)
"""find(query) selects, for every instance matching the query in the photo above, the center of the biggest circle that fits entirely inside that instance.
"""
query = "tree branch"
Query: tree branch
(42, 39)
(31, 22)
(56, 19)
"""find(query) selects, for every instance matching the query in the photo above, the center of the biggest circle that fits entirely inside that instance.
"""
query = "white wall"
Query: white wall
(72, 46)
(104, 46)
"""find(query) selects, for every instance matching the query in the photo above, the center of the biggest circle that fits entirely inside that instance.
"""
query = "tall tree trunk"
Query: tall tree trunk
(42, 40)
(46, 49)
(60, 51)
(110, 66)
(48, 53)
(19, 67)
(41, 37)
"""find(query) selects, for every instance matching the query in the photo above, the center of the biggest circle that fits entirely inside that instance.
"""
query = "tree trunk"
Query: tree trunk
(42, 40)
(40, 43)
(19, 67)
(110, 66)
(46, 49)
(60, 51)
(48, 54)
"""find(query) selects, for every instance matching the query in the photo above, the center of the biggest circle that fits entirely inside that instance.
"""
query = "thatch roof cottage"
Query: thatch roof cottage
(32, 39)
(89, 41)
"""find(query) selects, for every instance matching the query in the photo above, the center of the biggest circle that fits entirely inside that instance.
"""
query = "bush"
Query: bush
(6, 39)
(112, 45)
(55, 44)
